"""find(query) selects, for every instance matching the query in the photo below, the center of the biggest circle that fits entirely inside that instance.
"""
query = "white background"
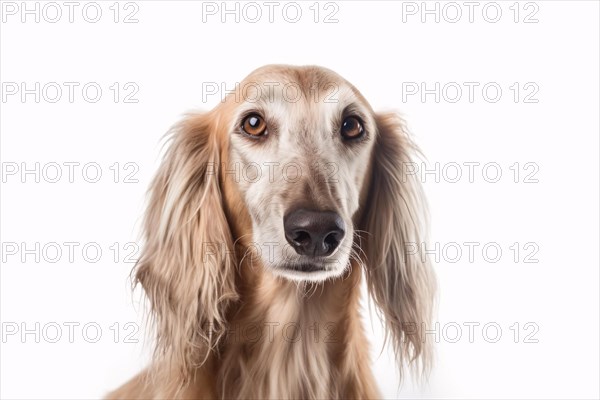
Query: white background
(170, 52)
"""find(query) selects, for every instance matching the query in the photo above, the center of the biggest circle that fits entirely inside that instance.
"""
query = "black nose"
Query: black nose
(313, 233)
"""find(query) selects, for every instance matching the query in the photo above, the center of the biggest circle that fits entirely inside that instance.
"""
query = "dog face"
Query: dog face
(300, 145)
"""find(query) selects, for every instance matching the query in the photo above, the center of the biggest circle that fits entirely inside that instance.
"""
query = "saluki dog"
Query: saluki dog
(263, 216)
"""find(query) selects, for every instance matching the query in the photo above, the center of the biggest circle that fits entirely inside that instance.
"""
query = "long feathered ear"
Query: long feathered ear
(399, 278)
(187, 266)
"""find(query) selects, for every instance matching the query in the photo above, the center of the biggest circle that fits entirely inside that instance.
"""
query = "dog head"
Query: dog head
(300, 145)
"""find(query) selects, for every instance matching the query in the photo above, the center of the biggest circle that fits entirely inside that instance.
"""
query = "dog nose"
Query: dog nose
(313, 233)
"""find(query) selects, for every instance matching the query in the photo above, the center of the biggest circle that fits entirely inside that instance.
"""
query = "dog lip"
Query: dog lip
(305, 267)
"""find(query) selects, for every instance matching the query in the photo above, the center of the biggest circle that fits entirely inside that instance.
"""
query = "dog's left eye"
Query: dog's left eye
(352, 128)
(254, 125)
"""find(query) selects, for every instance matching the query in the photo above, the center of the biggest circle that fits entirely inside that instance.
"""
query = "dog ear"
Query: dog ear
(187, 264)
(399, 279)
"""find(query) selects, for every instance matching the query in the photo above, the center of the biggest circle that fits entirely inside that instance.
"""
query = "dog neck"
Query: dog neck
(290, 340)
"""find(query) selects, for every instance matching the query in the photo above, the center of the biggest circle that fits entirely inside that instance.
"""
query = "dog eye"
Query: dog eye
(254, 125)
(352, 128)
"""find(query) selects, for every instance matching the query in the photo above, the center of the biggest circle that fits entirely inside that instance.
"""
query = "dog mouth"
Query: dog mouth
(305, 267)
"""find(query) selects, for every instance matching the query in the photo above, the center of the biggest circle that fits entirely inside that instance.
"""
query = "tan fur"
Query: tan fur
(203, 300)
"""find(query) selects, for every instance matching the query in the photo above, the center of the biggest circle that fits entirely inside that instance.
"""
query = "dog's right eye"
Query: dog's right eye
(254, 125)
(352, 128)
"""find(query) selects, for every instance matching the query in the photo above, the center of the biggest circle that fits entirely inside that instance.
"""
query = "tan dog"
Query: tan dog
(262, 218)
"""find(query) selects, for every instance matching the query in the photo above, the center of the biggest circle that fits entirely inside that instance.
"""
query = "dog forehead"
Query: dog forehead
(292, 84)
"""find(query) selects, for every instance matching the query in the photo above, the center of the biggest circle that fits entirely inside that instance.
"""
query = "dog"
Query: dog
(262, 218)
